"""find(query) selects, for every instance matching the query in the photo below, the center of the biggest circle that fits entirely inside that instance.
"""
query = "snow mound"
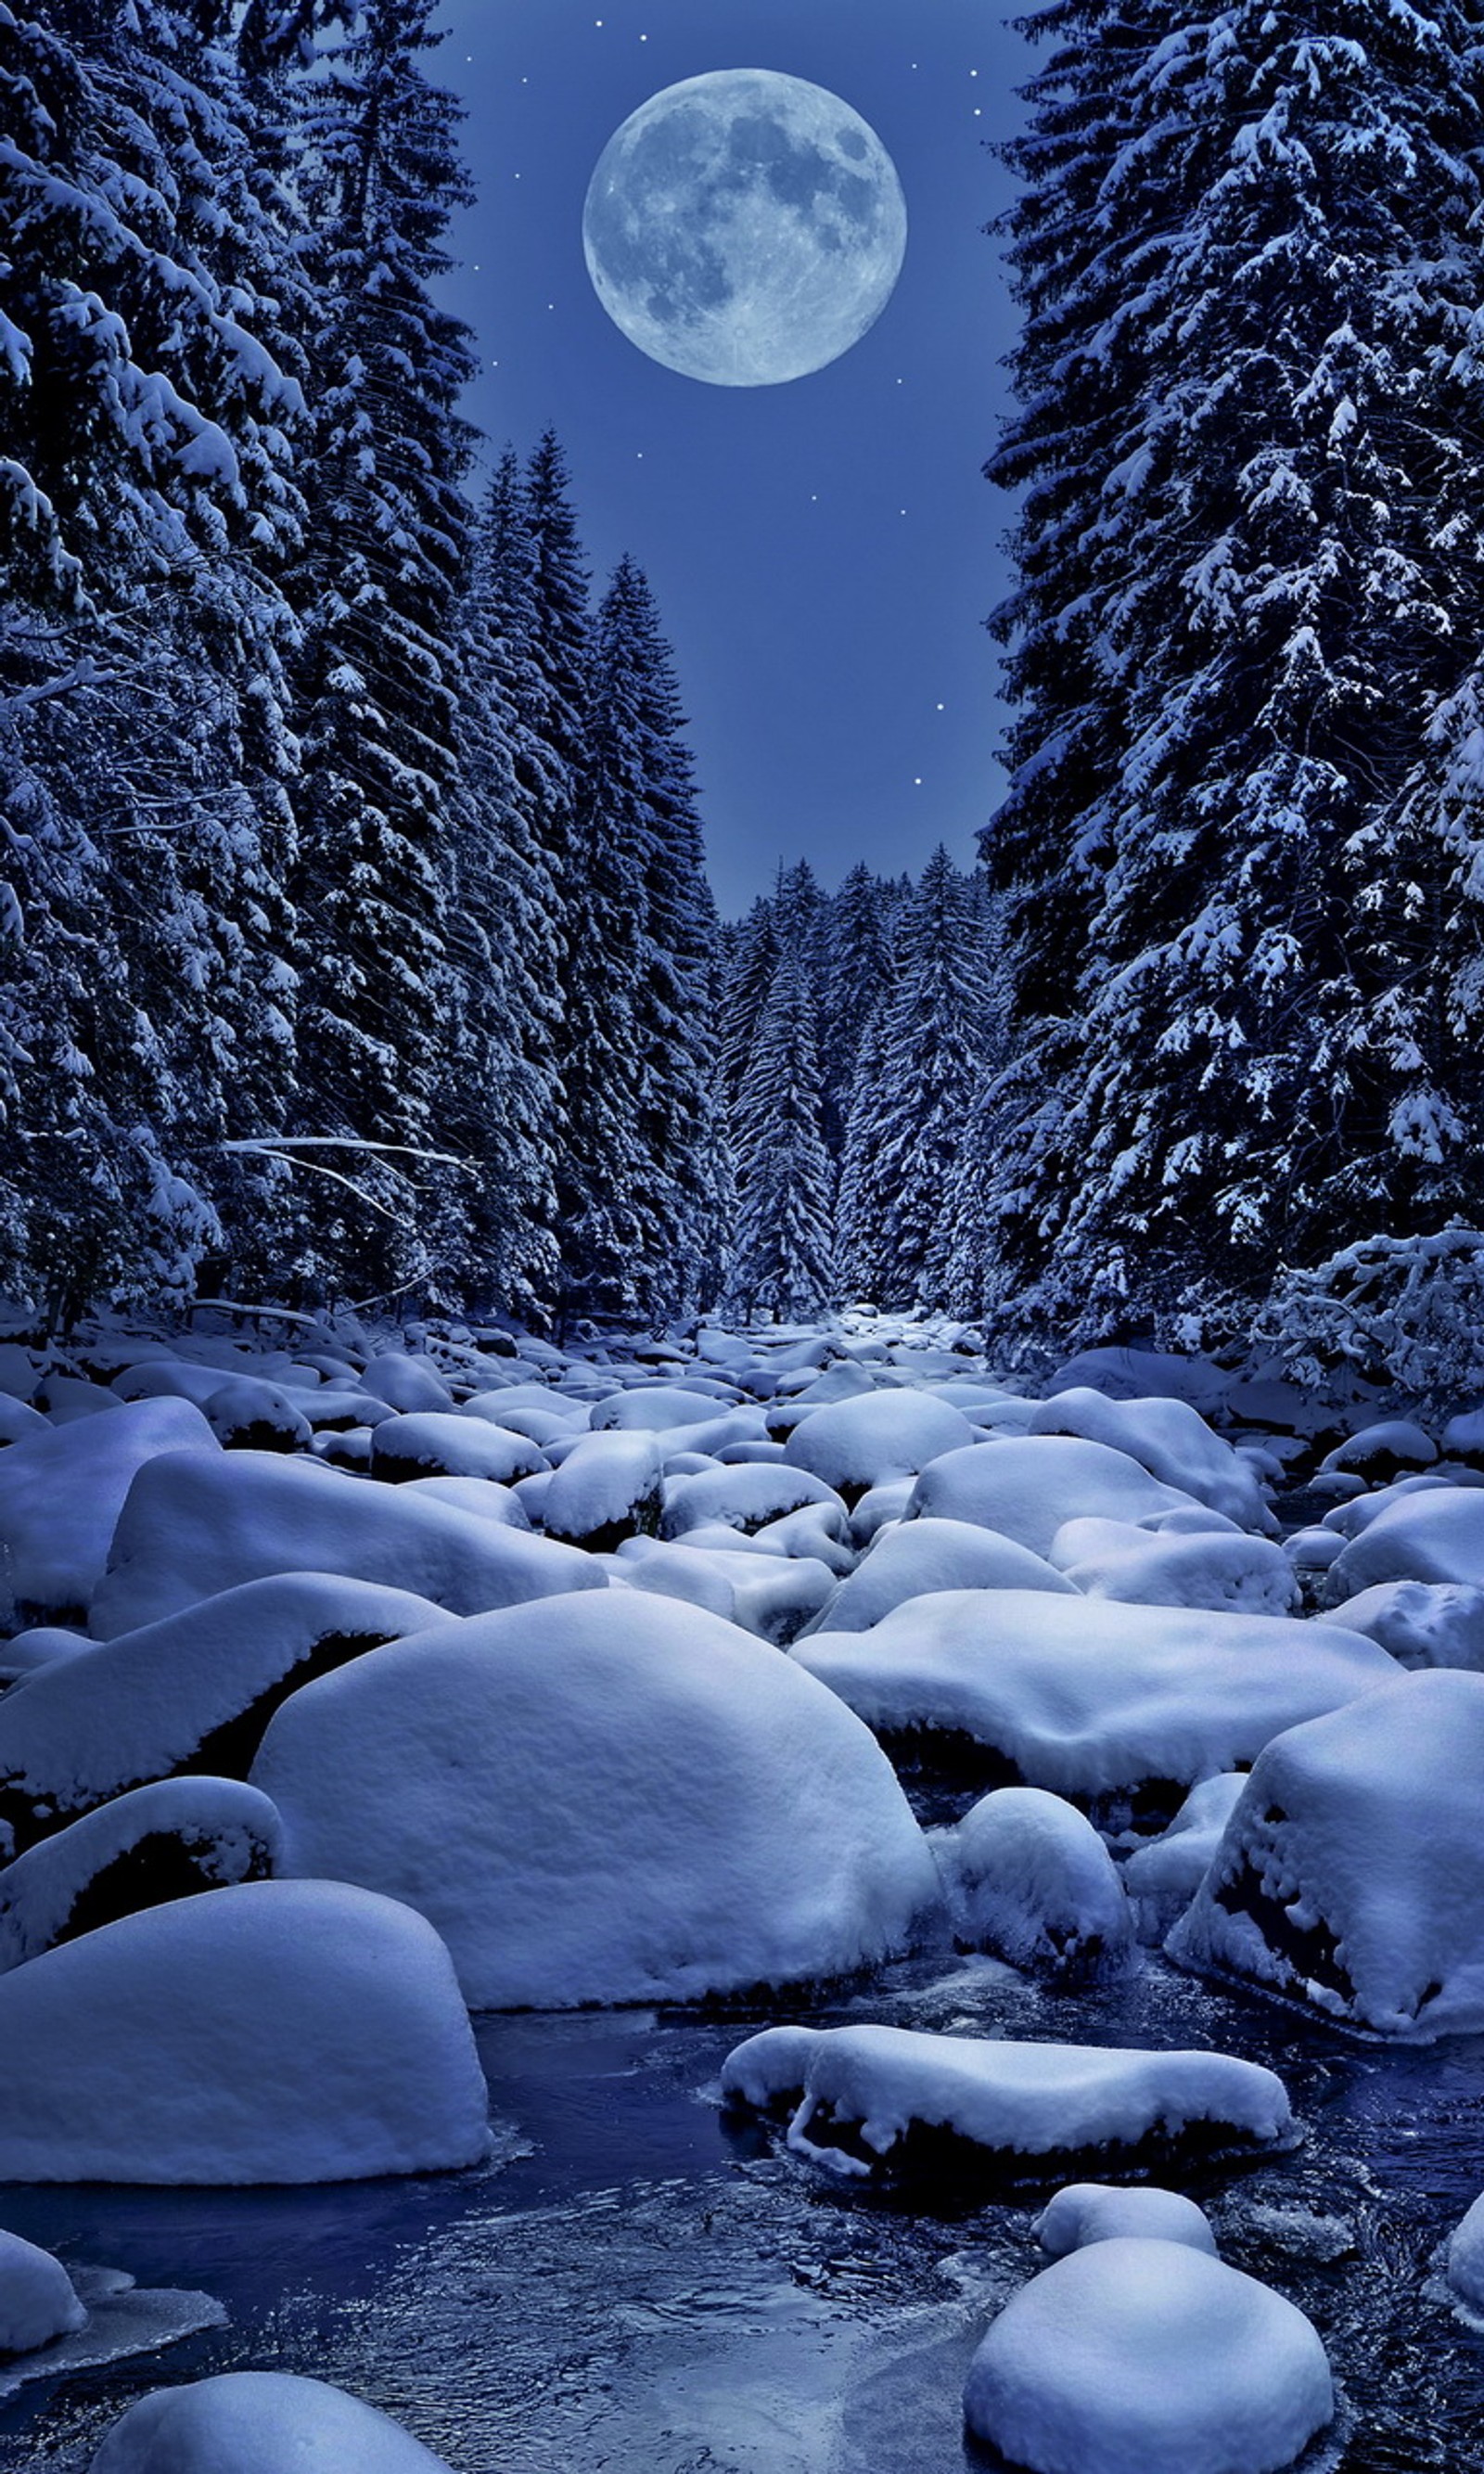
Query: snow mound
(1026, 1486)
(856, 1444)
(923, 1556)
(405, 1382)
(1136, 2357)
(747, 1495)
(37, 2299)
(1144, 1374)
(261, 2422)
(857, 2096)
(1382, 1451)
(611, 1798)
(1085, 1696)
(1430, 1532)
(61, 1492)
(1028, 1877)
(1418, 1623)
(1350, 1874)
(653, 1407)
(1160, 1880)
(767, 1593)
(194, 1527)
(1094, 2212)
(194, 1691)
(281, 2031)
(1464, 2259)
(1169, 1439)
(1174, 1568)
(432, 1443)
(167, 1841)
(607, 1489)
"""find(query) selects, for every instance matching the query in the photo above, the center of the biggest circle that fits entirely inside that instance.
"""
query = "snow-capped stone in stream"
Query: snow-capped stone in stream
(604, 1798)
(1169, 1439)
(746, 1496)
(37, 2299)
(1095, 2212)
(1384, 1451)
(193, 1527)
(861, 2096)
(607, 1489)
(1026, 1486)
(61, 1492)
(281, 2031)
(1135, 2356)
(194, 1691)
(1028, 1877)
(1175, 1568)
(856, 1444)
(261, 2422)
(921, 1556)
(432, 1443)
(1464, 2259)
(1162, 1878)
(1418, 1623)
(1087, 1695)
(1350, 1874)
(767, 1593)
(1430, 1532)
(167, 1841)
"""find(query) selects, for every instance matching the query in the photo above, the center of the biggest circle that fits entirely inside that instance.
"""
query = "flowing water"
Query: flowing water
(635, 2286)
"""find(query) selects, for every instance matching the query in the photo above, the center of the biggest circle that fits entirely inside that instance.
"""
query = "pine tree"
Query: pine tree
(783, 1262)
(857, 980)
(748, 975)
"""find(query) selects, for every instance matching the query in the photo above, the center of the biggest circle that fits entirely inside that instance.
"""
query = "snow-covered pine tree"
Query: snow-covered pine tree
(379, 676)
(561, 627)
(856, 981)
(747, 975)
(1251, 578)
(783, 1263)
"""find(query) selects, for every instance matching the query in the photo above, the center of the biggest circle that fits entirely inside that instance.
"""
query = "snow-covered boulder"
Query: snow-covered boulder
(405, 1382)
(281, 2031)
(1418, 1623)
(37, 2299)
(261, 2422)
(1162, 1878)
(167, 1841)
(1094, 2212)
(1136, 2357)
(193, 1527)
(434, 1443)
(604, 1798)
(247, 1416)
(1026, 1486)
(746, 1496)
(772, 1595)
(1350, 1874)
(654, 1408)
(921, 1556)
(18, 1420)
(479, 1496)
(63, 1490)
(608, 1488)
(191, 1692)
(1464, 2259)
(1175, 1568)
(1028, 1877)
(1430, 1532)
(1087, 1696)
(1382, 1451)
(1169, 1439)
(856, 1444)
(1145, 1374)
(858, 2097)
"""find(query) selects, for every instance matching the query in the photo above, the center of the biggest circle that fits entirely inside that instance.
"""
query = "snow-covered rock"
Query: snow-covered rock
(405, 1382)
(281, 2031)
(18, 1420)
(1175, 1568)
(1418, 1623)
(1381, 1451)
(434, 1442)
(1136, 2357)
(856, 1444)
(1169, 1439)
(1028, 1877)
(1430, 1532)
(921, 1556)
(1094, 2212)
(604, 1798)
(37, 2299)
(194, 1691)
(63, 1490)
(858, 2096)
(1350, 1874)
(261, 2422)
(193, 1527)
(654, 1408)
(479, 1496)
(746, 1496)
(608, 1488)
(167, 1841)
(246, 1414)
(1087, 1696)
(1144, 1374)
(1162, 1878)
(1464, 2259)
(1026, 1486)
(772, 1595)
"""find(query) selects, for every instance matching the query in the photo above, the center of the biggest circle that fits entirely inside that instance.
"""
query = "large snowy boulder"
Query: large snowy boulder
(1464, 2259)
(772, 1595)
(654, 1408)
(1168, 1438)
(1430, 1532)
(261, 2422)
(1087, 1696)
(281, 2031)
(1350, 1874)
(432, 1443)
(1174, 1567)
(608, 1488)
(1145, 1374)
(191, 1692)
(406, 1382)
(167, 1841)
(611, 1798)
(1026, 1486)
(193, 1527)
(1418, 1623)
(1094, 2212)
(1028, 1877)
(917, 1557)
(37, 2299)
(61, 1492)
(1139, 2357)
(855, 1445)
(746, 1496)
(1011, 2110)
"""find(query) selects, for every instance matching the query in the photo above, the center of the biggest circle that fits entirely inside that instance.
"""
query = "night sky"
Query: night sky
(824, 551)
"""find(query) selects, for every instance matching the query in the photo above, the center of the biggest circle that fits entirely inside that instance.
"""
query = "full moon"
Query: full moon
(744, 228)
